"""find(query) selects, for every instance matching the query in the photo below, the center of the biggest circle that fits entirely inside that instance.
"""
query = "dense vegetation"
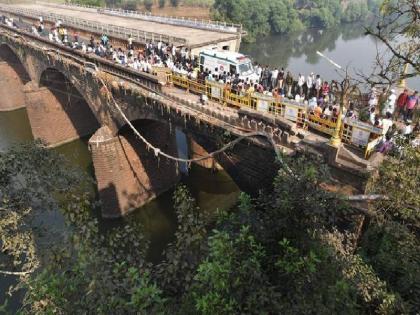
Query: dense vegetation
(285, 252)
(262, 17)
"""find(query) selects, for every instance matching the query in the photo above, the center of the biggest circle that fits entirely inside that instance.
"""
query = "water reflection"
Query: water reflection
(346, 45)
(14, 128)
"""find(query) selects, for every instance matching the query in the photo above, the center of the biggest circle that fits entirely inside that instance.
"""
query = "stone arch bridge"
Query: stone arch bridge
(69, 95)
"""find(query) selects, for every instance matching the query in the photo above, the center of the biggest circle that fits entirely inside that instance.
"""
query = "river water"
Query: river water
(346, 45)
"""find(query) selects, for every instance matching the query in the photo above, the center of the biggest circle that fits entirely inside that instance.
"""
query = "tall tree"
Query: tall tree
(398, 29)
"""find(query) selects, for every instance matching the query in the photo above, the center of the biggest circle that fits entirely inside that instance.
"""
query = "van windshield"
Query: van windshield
(245, 68)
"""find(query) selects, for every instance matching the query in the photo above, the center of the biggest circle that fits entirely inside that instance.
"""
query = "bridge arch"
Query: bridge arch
(57, 110)
(129, 174)
(14, 76)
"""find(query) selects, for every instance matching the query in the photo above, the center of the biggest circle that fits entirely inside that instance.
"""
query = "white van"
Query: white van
(229, 62)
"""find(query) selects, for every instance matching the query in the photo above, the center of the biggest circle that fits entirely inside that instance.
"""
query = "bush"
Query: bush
(129, 5)
(175, 3)
(148, 4)
(161, 3)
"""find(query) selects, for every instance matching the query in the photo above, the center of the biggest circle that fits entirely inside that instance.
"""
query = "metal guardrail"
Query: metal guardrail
(216, 26)
(143, 79)
(111, 30)
(200, 24)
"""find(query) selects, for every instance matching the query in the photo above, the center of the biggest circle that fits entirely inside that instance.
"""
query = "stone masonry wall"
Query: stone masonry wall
(128, 175)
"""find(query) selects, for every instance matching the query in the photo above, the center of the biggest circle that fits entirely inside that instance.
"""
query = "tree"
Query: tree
(148, 4)
(398, 29)
(174, 3)
(76, 267)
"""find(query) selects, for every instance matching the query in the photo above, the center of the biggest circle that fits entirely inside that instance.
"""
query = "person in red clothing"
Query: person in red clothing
(401, 101)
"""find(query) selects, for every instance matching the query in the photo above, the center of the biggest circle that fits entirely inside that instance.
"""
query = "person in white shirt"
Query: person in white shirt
(309, 85)
(386, 123)
(258, 70)
(274, 75)
(84, 49)
(300, 83)
(408, 129)
(312, 103)
(390, 103)
(372, 115)
(130, 42)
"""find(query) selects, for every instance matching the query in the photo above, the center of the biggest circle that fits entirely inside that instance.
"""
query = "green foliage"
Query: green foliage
(295, 250)
(290, 261)
(148, 4)
(355, 11)
(174, 3)
(399, 180)
(231, 280)
(96, 3)
(283, 16)
(131, 4)
(394, 253)
(182, 257)
(162, 3)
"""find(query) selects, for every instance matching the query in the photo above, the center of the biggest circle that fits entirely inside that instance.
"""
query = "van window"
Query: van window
(245, 67)
(232, 69)
(202, 60)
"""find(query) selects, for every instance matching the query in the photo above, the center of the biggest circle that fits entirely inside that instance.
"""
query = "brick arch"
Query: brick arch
(129, 175)
(14, 76)
(57, 110)
(10, 56)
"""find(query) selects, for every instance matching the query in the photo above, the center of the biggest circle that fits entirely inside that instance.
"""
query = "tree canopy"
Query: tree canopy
(262, 17)
(295, 250)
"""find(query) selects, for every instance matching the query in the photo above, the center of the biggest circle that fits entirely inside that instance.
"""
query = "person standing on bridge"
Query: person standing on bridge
(309, 85)
(300, 83)
(280, 81)
(104, 40)
(274, 75)
(289, 84)
(401, 101)
(130, 42)
(318, 85)
(412, 104)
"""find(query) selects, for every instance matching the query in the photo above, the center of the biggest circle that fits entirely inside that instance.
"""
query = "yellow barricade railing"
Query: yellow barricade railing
(179, 80)
(196, 87)
(215, 91)
(356, 133)
(237, 100)
(321, 124)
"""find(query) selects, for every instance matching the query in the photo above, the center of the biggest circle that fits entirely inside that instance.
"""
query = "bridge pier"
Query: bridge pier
(127, 174)
(195, 150)
(251, 167)
(12, 96)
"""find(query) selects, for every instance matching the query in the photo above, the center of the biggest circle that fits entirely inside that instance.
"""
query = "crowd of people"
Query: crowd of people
(383, 109)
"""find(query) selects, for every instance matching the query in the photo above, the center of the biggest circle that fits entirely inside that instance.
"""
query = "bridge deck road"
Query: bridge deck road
(193, 36)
